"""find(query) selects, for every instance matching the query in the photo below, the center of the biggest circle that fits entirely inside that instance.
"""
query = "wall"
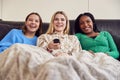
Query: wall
(105, 9)
(0, 9)
(17, 10)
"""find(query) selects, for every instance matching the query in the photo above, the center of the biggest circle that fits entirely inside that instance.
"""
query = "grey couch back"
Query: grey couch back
(111, 26)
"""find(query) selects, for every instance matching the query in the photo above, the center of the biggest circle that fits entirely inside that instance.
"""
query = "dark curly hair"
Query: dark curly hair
(77, 23)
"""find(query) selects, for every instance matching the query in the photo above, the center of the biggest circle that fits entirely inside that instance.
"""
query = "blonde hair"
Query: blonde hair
(51, 26)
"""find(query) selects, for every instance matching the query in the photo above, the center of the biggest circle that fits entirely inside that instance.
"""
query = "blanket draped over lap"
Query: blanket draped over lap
(34, 63)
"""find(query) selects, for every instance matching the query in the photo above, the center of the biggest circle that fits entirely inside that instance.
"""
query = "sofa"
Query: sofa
(111, 26)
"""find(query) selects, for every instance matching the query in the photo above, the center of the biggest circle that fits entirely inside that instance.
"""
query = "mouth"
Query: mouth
(86, 29)
(32, 26)
(59, 25)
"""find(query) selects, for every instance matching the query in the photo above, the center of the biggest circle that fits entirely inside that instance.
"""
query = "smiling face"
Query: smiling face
(32, 23)
(86, 24)
(59, 23)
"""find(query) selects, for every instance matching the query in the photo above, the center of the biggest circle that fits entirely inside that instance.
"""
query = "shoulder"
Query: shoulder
(105, 33)
(72, 37)
(15, 30)
(79, 34)
(44, 36)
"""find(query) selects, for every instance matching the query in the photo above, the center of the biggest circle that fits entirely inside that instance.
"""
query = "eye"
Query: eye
(81, 23)
(37, 21)
(30, 19)
(88, 21)
(62, 19)
(56, 19)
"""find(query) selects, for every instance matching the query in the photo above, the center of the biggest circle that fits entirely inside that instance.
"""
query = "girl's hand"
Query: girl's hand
(54, 46)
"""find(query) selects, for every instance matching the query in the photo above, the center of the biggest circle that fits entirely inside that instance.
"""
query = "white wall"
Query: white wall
(0, 9)
(17, 10)
(105, 9)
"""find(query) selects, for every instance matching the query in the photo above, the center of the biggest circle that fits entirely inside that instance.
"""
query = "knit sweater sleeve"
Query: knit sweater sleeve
(42, 41)
(113, 49)
(7, 41)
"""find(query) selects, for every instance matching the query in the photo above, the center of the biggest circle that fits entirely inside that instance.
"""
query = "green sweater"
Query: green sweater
(102, 43)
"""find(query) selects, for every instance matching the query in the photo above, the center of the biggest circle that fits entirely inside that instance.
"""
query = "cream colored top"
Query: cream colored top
(69, 43)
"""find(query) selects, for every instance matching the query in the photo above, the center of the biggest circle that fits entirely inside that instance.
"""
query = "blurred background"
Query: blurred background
(17, 10)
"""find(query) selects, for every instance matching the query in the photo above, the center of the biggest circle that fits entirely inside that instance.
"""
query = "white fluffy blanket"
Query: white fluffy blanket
(84, 67)
(31, 63)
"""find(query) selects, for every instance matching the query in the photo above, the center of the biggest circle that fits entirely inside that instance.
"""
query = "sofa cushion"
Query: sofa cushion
(5, 28)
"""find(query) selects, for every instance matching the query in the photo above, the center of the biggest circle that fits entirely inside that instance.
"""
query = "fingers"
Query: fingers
(55, 46)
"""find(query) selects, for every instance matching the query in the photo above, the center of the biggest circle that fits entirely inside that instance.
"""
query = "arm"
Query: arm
(7, 41)
(76, 45)
(41, 41)
(45, 41)
(113, 49)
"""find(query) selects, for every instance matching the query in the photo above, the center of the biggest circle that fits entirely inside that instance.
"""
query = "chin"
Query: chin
(87, 32)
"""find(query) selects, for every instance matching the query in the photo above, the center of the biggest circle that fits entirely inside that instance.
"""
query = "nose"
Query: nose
(85, 24)
(33, 21)
(59, 21)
